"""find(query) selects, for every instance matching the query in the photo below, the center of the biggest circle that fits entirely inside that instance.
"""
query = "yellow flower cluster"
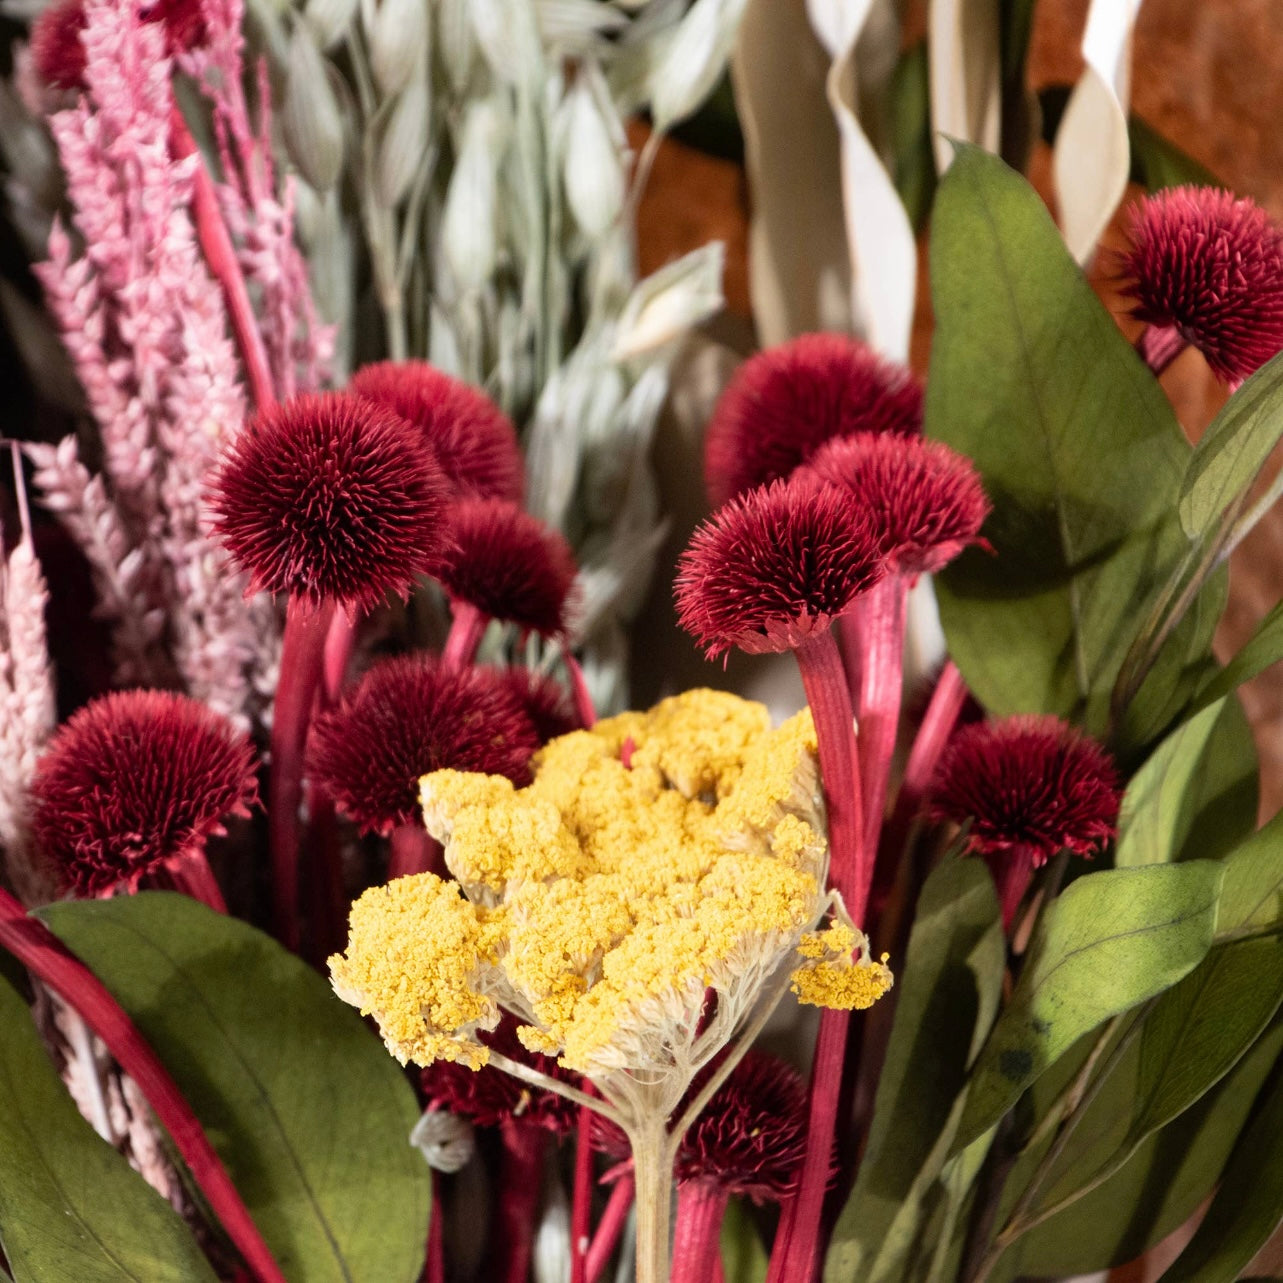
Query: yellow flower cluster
(653, 858)
(831, 976)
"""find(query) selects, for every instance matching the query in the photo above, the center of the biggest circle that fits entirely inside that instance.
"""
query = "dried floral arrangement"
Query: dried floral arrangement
(366, 500)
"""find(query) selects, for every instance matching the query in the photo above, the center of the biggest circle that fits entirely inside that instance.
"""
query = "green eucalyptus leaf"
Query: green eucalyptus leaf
(308, 1112)
(913, 165)
(1157, 162)
(1157, 1189)
(1252, 893)
(1196, 796)
(1110, 941)
(1248, 1206)
(72, 1210)
(948, 996)
(1259, 652)
(1032, 379)
(1230, 453)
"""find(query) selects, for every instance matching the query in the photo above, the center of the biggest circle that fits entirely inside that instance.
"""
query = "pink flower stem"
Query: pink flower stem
(466, 631)
(797, 1243)
(192, 876)
(581, 1196)
(877, 699)
(850, 869)
(520, 1180)
(326, 900)
(611, 1226)
(1159, 345)
(47, 958)
(339, 643)
(302, 656)
(697, 1236)
(434, 1267)
(584, 708)
(220, 255)
(414, 850)
(1013, 871)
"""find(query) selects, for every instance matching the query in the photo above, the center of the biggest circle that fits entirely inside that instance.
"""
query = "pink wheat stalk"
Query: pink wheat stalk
(26, 701)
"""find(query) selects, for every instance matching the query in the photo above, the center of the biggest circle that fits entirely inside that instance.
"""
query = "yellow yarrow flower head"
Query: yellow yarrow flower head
(653, 859)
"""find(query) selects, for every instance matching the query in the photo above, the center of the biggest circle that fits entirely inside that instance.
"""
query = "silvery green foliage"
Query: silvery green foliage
(487, 175)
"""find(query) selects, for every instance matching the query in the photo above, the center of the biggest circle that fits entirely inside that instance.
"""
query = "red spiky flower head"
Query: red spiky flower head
(786, 402)
(925, 499)
(508, 565)
(134, 781)
(407, 716)
(1211, 266)
(545, 700)
(59, 53)
(751, 1137)
(1030, 787)
(775, 566)
(327, 496)
(474, 440)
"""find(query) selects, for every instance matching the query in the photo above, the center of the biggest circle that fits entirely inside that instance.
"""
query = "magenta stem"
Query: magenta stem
(797, 1249)
(581, 1198)
(192, 875)
(584, 708)
(697, 1236)
(340, 641)
(434, 1266)
(302, 655)
(414, 850)
(877, 706)
(520, 1181)
(326, 900)
(46, 957)
(220, 256)
(466, 631)
(1013, 871)
(611, 1226)
(850, 869)
(1159, 345)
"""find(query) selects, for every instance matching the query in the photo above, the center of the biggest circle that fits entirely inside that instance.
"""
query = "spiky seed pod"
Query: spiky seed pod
(776, 565)
(508, 565)
(1031, 786)
(1210, 265)
(545, 700)
(407, 717)
(474, 440)
(751, 1137)
(134, 781)
(327, 496)
(786, 402)
(925, 499)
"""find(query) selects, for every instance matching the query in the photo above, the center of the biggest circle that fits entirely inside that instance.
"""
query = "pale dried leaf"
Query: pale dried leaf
(403, 141)
(965, 71)
(693, 60)
(666, 305)
(398, 42)
(310, 115)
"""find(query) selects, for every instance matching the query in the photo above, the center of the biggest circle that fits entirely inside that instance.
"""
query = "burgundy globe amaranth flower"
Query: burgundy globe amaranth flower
(776, 566)
(507, 565)
(473, 439)
(545, 700)
(137, 781)
(751, 1137)
(327, 497)
(1030, 786)
(409, 716)
(926, 499)
(1210, 266)
(785, 402)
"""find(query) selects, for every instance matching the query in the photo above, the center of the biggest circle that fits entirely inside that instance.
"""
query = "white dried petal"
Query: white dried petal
(469, 224)
(508, 37)
(403, 142)
(669, 302)
(398, 42)
(593, 159)
(693, 60)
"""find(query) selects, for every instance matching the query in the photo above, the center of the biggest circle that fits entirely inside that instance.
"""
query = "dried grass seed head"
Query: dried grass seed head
(1211, 265)
(327, 496)
(475, 442)
(136, 780)
(775, 566)
(786, 402)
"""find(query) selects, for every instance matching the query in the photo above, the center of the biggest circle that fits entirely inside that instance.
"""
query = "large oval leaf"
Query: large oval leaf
(1112, 940)
(1078, 447)
(308, 1112)
(71, 1209)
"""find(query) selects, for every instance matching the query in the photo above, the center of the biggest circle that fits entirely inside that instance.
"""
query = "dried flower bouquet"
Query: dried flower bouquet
(361, 627)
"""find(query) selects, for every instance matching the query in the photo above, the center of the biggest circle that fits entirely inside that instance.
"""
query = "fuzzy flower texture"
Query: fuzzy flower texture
(653, 858)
